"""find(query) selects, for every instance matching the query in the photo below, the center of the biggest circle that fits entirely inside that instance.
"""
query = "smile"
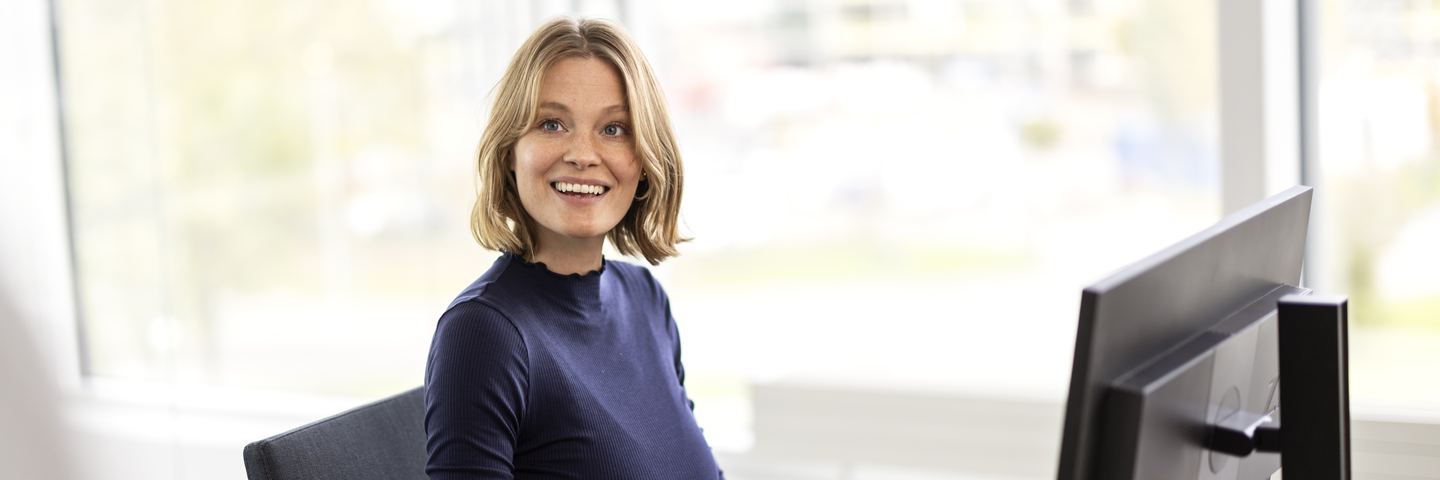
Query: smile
(579, 190)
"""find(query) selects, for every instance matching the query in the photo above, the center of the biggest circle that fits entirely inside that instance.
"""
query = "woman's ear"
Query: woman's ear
(642, 190)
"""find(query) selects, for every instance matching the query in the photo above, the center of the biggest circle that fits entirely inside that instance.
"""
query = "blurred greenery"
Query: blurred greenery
(1371, 207)
(1041, 134)
(1371, 199)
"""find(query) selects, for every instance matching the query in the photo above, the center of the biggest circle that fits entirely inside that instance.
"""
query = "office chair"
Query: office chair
(380, 440)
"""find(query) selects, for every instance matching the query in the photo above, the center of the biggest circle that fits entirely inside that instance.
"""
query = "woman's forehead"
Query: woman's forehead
(583, 72)
(573, 79)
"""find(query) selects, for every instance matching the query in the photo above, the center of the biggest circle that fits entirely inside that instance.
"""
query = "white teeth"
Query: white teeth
(579, 188)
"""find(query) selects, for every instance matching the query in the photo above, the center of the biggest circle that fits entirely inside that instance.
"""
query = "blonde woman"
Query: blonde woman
(557, 363)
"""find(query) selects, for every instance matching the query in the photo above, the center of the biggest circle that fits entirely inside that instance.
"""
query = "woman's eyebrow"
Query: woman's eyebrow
(555, 106)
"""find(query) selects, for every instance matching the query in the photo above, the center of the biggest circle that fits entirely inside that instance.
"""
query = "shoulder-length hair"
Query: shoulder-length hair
(650, 227)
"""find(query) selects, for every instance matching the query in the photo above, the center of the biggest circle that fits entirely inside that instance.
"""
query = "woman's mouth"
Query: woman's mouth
(579, 189)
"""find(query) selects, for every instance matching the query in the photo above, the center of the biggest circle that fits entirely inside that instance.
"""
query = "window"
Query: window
(1379, 114)
(274, 194)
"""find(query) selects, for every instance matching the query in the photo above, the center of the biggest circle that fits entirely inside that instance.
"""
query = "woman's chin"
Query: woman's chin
(587, 234)
(582, 232)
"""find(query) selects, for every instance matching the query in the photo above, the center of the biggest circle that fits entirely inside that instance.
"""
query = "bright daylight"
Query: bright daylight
(751, 239)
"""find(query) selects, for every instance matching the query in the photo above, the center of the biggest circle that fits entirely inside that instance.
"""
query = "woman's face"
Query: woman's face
(575, 167)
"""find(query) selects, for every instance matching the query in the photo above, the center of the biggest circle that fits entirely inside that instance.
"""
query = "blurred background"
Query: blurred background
(893, 201)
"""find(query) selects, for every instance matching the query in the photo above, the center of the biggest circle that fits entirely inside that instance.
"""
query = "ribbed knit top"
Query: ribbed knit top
(537, 375)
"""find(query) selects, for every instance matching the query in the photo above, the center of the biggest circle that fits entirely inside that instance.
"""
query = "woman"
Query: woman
(557, 363)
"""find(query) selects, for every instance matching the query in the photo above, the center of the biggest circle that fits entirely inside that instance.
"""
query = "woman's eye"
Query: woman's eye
(613, 130)
(551, 125)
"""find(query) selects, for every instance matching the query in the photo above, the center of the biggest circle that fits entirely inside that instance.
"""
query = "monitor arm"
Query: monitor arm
(1314, 375)
(1244, 433)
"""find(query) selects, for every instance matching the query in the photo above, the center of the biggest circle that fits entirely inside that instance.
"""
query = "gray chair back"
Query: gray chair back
(381, 440)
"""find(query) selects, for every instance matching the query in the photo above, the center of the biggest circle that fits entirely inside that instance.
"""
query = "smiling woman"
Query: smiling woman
(581, 111)
(557, 363)
(575, 169)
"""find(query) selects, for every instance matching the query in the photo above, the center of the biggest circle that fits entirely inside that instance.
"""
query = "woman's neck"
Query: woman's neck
(564, 255)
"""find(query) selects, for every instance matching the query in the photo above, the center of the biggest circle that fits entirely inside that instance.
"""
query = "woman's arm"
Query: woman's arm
(674, 332)
(476, 382)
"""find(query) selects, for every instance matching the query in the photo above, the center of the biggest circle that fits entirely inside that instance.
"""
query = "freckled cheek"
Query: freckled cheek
(623, 163)
(532, 162)
(627, 181)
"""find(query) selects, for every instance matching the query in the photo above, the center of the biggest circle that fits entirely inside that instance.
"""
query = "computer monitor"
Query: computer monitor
(1188, 338)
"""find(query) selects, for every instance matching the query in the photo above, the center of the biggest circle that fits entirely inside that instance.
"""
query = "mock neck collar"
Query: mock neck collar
(581, 291)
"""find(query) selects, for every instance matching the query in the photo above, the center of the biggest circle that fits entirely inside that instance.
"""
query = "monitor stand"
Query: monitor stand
(1161, 419)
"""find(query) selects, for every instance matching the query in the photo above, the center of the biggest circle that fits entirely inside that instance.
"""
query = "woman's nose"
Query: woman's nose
(583, 151)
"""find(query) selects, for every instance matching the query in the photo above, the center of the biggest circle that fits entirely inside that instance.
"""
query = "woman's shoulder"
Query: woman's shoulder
(476, 318)
(481, 286)
(475, 309)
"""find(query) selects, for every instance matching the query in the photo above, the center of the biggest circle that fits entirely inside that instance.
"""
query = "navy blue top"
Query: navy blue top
(537, 375)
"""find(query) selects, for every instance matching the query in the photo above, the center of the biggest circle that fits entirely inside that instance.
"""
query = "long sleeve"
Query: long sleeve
(476, 381)
(674, 331)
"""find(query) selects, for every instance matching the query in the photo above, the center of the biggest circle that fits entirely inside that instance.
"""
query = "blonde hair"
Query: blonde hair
(650, 227)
